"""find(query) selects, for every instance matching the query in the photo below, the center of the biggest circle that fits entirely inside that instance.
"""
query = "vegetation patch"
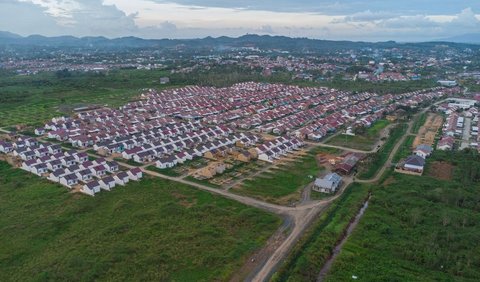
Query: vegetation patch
(283, 185)
(415, 229)
(375, 161)
(364, 139)
(315, 247)
(153, 230)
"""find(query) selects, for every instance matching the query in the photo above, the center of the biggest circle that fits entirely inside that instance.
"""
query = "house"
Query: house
(69, 180)
(348, 163)
(166, 162)
(328, 184)
(182, 157)
(6, 147)
(40, 131)
(27, 165)
(423, 151)
(54, 149)
(91, 188)
(98, 171)
(446, 143)
(107, 183)
(54, 165)
(39, 169)
(56, 175)
(111, 166)
(267, 156)
(81, 157)
(135, 174)
(27, 155)
(121, 178)
(414, 163)
(68, 161)
(84, 175)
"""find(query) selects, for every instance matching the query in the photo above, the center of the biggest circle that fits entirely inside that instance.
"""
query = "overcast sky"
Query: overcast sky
(372, 20)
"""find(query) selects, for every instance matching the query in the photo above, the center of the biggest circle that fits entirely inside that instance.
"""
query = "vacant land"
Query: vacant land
(364, 141)
(440, 170)
(313, 250)
(153, 230)
(428, 130)
(416, 229)
(31, 100)
(283, 184)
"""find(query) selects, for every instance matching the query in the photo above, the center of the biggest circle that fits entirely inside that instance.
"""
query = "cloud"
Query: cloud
(327, 19)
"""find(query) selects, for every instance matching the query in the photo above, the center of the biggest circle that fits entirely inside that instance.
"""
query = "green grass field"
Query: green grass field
(312, 251)
(31, 100)
(419, 122)
(361, 142)
(418, 228)
(405, 149)
(284, 184)
(153, 230)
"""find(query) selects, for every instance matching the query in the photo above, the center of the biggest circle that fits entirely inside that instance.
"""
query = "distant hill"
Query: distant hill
(472, 38)
(6, 34)
(219, 43)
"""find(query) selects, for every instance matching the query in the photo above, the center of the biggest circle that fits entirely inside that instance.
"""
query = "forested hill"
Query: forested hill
(219, 43)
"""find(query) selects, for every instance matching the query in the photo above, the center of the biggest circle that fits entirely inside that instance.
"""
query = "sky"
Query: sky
(367, 20)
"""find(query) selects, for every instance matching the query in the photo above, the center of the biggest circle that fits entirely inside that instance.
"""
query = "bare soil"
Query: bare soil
(441, 170)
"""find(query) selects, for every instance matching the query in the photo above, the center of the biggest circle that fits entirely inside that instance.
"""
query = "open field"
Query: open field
(364, 141)
(417, 229)
(283, 184)
(31, 100)
(312, 251)
(152, 230)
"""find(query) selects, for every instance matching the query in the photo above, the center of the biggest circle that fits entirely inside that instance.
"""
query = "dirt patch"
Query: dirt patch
(183, 200)
(259, 257)
(389, 181)
(327, 160)
(441, 170)
(428, 131)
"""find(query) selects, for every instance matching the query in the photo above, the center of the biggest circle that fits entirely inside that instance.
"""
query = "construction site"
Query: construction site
(426, 134)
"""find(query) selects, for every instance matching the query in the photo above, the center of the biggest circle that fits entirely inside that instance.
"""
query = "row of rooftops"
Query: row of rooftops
(69, 168)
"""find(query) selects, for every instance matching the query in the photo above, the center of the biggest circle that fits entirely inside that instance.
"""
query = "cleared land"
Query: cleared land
(418, 229)
(364, 141)
(428, 131)
(283, 184)
(153, 230)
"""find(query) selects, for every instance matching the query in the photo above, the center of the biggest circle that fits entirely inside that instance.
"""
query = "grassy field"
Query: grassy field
(376, 160)
(419, 122)
(153, 230)
(415, 229)
(313, 250)
(364, 141)
(31, 100)
(405, 149)
(283, 184)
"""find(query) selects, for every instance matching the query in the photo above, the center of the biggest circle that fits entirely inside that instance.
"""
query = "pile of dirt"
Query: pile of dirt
(441, 170)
